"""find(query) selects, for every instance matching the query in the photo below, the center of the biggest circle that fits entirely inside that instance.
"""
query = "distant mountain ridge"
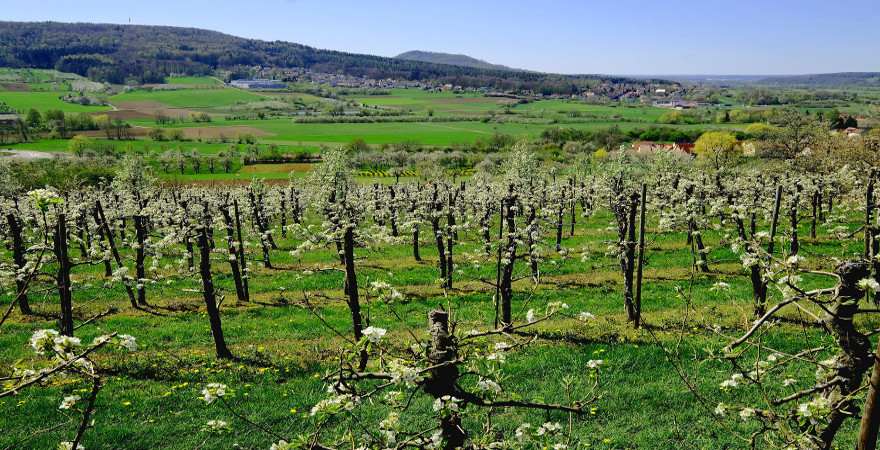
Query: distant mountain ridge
(825, 79)
(450, 59)
(816, 80)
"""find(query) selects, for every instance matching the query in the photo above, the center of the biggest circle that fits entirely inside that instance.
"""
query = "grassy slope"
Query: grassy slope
(644, 405)
(43, 101)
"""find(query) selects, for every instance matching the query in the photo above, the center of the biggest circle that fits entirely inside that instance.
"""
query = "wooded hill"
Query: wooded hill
(451, 59)
(867, 79)
(146, 54)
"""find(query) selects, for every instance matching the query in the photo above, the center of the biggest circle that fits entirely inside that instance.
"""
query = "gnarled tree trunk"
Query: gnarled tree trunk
(63, 277)
(21, 285)
(443, 378)
(210, 296)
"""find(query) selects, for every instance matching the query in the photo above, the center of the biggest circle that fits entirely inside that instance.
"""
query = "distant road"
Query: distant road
(25, 155)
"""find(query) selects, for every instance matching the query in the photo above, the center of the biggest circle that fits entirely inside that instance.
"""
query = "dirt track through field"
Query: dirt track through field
(14, 87)
(147, 110)
(233, 131)
(25, 155)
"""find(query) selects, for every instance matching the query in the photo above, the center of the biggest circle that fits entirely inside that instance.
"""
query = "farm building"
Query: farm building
(675, 104)
(648, 147)
(258, 84)
(9, 120)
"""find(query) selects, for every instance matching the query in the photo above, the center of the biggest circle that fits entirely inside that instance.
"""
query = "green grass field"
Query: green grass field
(426, 133)
(297, 96)
(152, 147)
(449, 103)
(441, 103)
(44, 101)
(189, 98)
(552, 108)
(194, 81)
(154, 393)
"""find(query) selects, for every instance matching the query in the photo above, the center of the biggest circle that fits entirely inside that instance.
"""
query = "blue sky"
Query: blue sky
(564, 36)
